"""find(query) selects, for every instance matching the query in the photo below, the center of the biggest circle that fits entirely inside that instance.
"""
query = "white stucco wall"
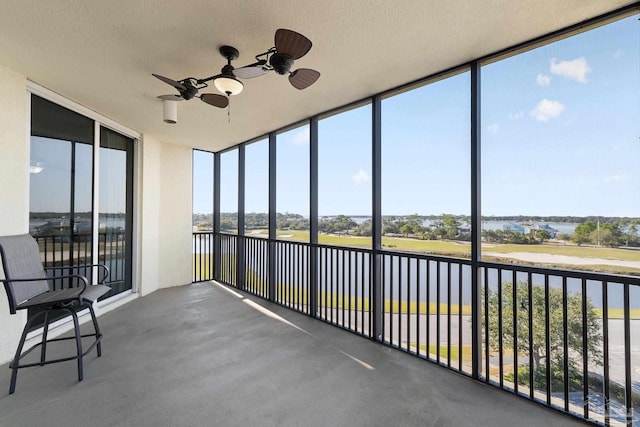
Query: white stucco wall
(14, 187)
(166, 215)
(150, 153)
(175, 182)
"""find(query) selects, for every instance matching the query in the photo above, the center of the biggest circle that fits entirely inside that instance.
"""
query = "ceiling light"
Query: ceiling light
(170, 111)
(228, 85)
(36, 167)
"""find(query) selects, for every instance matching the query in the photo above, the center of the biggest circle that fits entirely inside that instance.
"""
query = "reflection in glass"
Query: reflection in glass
(50, 186)
(60, 216)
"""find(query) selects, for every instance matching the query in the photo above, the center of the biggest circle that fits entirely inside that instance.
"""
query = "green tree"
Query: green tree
(390, 226)
(451, 226)
(611, 235)
(364, 229)
(542, 235)
(583, 232)
(539, 311)
(415, 222)
(340, 223)
(406, 229)
(631, 235)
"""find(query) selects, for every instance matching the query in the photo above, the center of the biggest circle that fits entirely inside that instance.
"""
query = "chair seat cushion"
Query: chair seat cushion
(93, 292)
(51, 298)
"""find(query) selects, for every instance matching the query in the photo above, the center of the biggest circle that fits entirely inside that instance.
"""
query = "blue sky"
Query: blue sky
(560, 136)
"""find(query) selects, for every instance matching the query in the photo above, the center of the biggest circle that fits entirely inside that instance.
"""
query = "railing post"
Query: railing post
(376, 217)
(476, 225)
(240, 245)
(217, 244)
(272, 217)
(313, 217)
(627, 355)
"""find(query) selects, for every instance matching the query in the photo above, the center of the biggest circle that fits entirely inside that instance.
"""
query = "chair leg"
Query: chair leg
(97, 329)
(76, 325)
(43, 350)
(16, 360)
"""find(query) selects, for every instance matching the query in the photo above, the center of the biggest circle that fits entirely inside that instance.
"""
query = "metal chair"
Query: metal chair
(29, 287)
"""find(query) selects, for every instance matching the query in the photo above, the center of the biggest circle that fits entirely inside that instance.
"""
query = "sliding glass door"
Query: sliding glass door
(67, 188)
(61, 178)
(116, 206)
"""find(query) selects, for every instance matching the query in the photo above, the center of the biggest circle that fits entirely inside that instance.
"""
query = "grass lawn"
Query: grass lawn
(455, 352)
(618, 313)
(462, 249)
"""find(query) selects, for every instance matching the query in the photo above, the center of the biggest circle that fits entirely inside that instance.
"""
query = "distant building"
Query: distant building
(517, 228)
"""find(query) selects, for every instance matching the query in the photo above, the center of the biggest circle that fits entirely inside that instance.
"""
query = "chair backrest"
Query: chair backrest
(21, 260)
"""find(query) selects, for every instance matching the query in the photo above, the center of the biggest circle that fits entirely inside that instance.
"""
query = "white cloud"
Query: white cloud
(301, 137)
(618, 54)
(546, 110)
(517, 115)
(575, 70)
(493, 128)
(543, 80)
(618, 178)
(361, 176)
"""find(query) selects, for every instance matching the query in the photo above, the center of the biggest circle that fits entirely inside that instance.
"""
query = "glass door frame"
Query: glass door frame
(134, 162)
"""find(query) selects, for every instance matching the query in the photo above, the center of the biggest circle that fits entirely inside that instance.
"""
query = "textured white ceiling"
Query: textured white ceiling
(102, 53)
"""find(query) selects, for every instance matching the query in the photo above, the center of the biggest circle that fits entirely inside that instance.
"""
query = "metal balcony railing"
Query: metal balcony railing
(67, 250)
(567, 339)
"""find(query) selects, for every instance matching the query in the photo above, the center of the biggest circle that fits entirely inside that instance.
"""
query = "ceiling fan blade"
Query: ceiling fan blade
(214, 99)
(292, 44)
(251, 71)
(171, 82)
(302, 78)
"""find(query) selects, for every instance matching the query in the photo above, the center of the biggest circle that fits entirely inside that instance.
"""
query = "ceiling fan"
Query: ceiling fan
(289, 46)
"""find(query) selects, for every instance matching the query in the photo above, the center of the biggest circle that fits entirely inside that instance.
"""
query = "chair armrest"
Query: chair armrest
(84, 280)
(44, 299)
(104, 270)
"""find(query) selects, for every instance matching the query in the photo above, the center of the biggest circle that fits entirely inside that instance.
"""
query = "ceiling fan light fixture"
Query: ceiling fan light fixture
(228, 85)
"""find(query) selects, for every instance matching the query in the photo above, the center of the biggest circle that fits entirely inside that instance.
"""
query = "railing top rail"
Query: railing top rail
(549, 271)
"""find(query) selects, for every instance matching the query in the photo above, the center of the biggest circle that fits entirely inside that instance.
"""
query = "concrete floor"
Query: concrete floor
(201, 356)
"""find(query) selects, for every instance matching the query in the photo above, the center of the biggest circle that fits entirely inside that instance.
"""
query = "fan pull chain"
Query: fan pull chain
(229, 111)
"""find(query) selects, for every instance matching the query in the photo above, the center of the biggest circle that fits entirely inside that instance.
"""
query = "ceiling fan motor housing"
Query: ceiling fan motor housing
(227, 70)
(281, 63)
(190, 91)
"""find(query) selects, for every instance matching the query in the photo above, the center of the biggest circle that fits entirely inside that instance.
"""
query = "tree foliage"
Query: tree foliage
(364, 229)
(338, 224)
(539, 311)
(599, 231)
